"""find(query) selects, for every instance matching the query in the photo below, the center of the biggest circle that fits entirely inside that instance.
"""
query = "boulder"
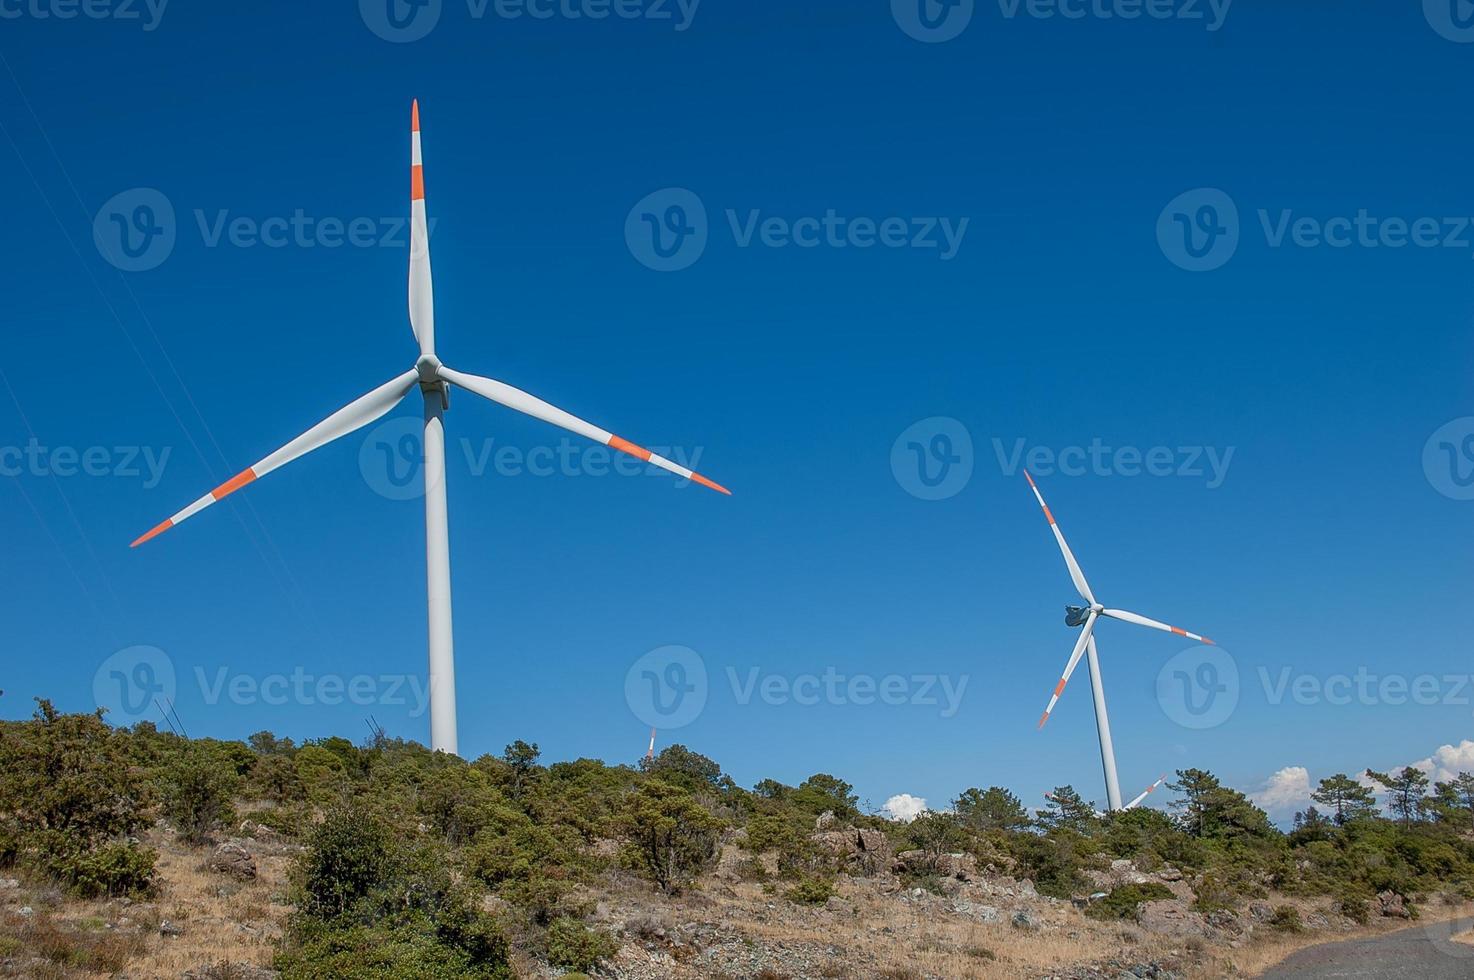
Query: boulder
(1171, 917)
(839, 905)
(982, 913)
(863, 851)
(1024, 919)
(963, 867)
(1169, 874)
(1261, 911)
(825, 820)
(233, 859)
(1392, 905)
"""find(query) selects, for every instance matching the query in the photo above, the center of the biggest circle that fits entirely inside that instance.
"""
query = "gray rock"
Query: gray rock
(825, 820)
(167, 928)
(1024, 919)
(27, 911)
(1392, 905)
(983, 913)
(1171, 917)
(233, 859)
(8, 883)
(837, 904)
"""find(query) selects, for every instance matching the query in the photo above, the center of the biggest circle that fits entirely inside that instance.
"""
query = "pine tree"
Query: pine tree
(1347, 798)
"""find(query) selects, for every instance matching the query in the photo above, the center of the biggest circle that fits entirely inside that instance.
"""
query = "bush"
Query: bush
(347, 859)
(373, 904)
(198, 787)
(810, 891)
(572, 944)
(1355, 907)
(1286, 918)
(1123, 902)
(668, 835)
(70, 795)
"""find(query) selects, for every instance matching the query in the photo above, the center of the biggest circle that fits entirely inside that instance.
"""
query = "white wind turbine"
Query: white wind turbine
(433, 379)
(1140, 798)
(1086, 616)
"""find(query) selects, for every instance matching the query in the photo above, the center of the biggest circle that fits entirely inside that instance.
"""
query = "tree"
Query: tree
(689, 770)
(198, 787)
(1067, 809)
(936, 834)
(1347, 798)
(522, 758)
(992, 809)
(668, 835)
(1405, 792)
(1455, 799)
(822, 791)
(1196, 787)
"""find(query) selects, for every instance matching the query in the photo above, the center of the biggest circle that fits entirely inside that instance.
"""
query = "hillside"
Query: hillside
(136, 853)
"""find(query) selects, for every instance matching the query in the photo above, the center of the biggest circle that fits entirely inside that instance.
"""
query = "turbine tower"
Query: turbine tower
(1086, 616)
(433, 379)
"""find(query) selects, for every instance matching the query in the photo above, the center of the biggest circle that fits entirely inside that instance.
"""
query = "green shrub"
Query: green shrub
(810, 891)
(1286, 918)
(572, 944)
(71, 793)
(1355, 907)
(1122, 902)
(198, 787)
(668, 836)
(347, 859)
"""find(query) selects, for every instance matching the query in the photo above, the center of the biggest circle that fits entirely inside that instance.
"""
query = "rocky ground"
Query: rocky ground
(220, 910)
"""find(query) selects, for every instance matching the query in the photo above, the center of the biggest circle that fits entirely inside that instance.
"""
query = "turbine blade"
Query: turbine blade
(505, 394)
(1145, 793)
(1069, 668)
(421, 295)
(1081, 586)
(1131, 617)
(353, 416)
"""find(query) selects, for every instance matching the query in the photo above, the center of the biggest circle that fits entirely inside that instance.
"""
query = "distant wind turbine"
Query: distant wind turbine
(1129, 806)
(433, 379)
(1086, 616)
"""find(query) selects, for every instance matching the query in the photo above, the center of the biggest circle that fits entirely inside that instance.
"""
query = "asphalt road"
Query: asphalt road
(1422, 952)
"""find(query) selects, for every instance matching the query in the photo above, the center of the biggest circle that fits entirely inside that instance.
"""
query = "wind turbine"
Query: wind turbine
(433, 379)
(1086, 616)
(1129, 806)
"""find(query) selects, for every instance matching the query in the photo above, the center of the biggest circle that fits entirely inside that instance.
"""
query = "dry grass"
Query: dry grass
(220, 920)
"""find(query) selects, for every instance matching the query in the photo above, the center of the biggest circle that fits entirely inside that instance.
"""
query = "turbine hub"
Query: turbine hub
(429, 367)
(1075, 616)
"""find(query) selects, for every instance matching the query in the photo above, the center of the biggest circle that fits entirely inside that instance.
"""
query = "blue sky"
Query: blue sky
(1334, 538)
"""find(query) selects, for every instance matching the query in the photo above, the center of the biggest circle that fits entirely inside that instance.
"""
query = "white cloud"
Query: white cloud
(1446, 763)
(904, 807)
(1285, 792)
